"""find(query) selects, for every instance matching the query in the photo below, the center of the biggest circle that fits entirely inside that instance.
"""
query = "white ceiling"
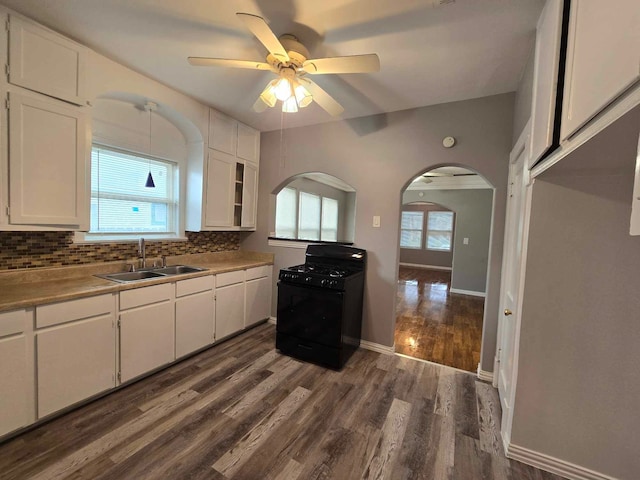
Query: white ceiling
(428, 54)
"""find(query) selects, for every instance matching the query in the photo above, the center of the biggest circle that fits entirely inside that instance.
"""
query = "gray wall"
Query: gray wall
(578, 386)
(378, 156)
(422, 256)
(473, 221)
(524, 97)
(346, 201)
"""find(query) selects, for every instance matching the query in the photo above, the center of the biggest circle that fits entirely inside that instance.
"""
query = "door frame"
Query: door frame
(520, 149)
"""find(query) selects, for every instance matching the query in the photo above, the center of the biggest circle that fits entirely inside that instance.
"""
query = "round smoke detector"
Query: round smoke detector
(448, 142)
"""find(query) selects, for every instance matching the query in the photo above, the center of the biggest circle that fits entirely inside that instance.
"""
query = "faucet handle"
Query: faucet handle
(131, 267)
(164, 260)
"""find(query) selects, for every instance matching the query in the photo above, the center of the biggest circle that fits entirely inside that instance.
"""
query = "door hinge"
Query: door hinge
(7, 25)
(119, 377)
(119, 323)
(8, 211)
(7, 69)
(7, 103)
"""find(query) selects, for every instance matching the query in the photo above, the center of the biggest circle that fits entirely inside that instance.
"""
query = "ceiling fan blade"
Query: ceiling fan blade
(261, 30)
(351, 64)
(259, 106)
(224, 62)
(322, 98)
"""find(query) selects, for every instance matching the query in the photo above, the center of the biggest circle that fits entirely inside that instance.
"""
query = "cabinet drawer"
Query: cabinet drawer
(194, 285)
(258, 272)
(145, 296)
(12, 322)
(56, 313)
(229, 278)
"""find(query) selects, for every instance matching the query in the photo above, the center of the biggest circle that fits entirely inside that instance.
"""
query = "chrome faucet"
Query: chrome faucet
(142, 252)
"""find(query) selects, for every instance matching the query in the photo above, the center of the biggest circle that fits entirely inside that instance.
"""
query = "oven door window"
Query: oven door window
(310, 313)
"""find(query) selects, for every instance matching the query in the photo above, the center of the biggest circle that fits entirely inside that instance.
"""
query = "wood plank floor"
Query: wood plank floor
(243, 411)
(434, 324)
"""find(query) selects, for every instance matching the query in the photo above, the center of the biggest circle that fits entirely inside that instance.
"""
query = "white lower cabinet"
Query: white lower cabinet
(195, 315)
(75, 361)
(229, 309)
(258, 295)
(147, 330)
(75, 351)
(16, 373)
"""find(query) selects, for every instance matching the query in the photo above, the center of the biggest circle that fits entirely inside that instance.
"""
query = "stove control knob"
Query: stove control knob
(308, 279)
(324, 283)
(334, 283)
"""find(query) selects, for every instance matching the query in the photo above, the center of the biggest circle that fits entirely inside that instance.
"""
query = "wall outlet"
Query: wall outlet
(376, 221)
(465, 240)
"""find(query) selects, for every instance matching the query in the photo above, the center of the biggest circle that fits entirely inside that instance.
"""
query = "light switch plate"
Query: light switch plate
(376, 221)
(465, 240)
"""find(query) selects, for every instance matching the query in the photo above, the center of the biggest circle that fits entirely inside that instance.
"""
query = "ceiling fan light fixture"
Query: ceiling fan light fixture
(290, 105)
(282, 89)
(268, 95)
(303, 97)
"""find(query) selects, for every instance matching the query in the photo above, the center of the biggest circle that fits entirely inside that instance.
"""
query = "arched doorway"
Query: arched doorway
(444, 238)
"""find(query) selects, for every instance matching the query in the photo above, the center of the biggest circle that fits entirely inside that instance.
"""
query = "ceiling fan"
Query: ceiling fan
(289, 60)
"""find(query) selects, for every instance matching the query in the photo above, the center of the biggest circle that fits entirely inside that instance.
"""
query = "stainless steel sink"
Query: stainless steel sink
(177, 270)
(131, 276)
(150, 273)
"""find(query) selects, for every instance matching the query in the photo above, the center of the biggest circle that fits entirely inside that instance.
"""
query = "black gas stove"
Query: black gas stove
(320, 305)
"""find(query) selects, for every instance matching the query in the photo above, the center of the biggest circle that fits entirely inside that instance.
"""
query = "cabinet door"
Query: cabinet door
(248, 143)
(45, 62)
(47, 162)
(147, 337)
(258, 302)
(221, 170)
(603, 54)
(249, 196)
(15, 379)
(545, 78)
(229, 310)
(195, 321)
(223, 132)
(74, 362)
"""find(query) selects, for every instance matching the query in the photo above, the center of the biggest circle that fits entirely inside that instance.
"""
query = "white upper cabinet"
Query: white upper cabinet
(249, 196)
(545, 78)
(603, 58)
(45, 62)
(248, 143)
(47, 162)
(223, 132)
(221, 173)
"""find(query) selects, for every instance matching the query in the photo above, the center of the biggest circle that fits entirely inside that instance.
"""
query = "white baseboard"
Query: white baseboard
(468, 292)
(428, 267)
(553, 465)
(484, 375)
(273, 320)
(376, 347)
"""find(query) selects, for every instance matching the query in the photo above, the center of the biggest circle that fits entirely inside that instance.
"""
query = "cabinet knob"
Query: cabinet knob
(507, 312)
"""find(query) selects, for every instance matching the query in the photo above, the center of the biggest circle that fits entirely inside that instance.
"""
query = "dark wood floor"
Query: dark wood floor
(434, 324)
(243, 411)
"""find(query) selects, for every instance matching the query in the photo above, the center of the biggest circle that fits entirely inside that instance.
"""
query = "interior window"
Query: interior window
(411, 230)
(439, 231)
(309, 217)
(120, 201)
(329, 220)
(286, 207)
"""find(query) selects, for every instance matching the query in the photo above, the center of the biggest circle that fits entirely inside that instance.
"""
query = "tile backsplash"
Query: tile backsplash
(54, 249)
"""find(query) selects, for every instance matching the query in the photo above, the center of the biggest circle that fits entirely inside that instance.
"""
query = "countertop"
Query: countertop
(27, 288)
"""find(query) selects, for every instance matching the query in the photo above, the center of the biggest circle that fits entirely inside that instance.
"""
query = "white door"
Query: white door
(195, 319)
(515, 230)
(258, 304)
(229, 310)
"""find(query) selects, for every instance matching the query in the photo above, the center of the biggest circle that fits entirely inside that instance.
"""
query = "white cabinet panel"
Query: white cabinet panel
(248, 143)
(147, 338)
(545, 78)
(15, 378)
(62, 312)
(229, 310)
(195, 321)
(47, 162)
(229, 278)
(45, 62)
(603, 58)
(221, 171)
(145, 295)
(258, 300)
(74, 362)
(194, 285)
(223, 132)
(258, 272)
(249, 196)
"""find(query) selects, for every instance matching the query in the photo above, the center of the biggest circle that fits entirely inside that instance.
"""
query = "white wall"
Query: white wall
(379, 156)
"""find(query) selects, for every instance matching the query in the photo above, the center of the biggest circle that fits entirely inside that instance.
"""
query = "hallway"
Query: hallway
(436, 325)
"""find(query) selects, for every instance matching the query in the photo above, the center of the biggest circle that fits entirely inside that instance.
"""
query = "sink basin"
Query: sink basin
(177, 270)
(131, 276)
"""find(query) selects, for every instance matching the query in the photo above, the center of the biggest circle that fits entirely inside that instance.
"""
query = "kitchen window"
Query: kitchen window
(439, 231)
(306, 216)
(121, 205)
(411, 230)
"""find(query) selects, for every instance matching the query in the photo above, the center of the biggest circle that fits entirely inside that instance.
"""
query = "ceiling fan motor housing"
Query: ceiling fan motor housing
(297, 52)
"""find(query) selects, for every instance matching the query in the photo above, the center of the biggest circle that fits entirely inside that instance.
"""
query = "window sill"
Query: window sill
(81, 238)
(294, 243)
